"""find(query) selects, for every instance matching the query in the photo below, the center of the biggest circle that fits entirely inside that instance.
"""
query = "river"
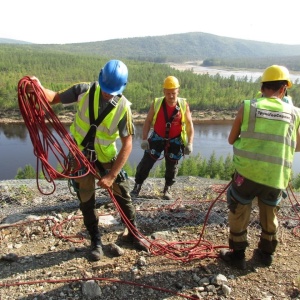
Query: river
(238, 74)
(17, 151)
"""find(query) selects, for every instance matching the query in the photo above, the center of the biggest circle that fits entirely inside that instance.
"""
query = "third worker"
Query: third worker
(172, 135)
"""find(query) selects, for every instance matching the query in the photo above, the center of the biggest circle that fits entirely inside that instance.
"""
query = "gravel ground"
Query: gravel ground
(44, 247)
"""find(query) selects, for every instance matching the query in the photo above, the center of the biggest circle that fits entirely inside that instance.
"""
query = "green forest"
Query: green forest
(183, 47)
(58, 70)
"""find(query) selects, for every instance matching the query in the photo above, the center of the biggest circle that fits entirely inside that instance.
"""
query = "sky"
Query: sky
(66, 21)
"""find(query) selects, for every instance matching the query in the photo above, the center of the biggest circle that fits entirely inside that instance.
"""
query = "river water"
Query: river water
(17, 151)
(238, 74)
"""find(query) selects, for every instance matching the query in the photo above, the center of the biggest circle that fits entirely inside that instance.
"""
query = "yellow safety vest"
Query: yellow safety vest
(182, 106)
(265, 149)
(107, 132)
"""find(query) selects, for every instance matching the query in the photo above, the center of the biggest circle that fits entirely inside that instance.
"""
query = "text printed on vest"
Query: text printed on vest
(272, 115)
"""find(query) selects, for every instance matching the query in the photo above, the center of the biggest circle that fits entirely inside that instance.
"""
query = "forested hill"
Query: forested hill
(11, 41)
(183, 47)
(148, 60)
(197, 46)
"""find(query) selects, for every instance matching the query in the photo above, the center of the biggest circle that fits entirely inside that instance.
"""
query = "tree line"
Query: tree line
(214, 168)
(58, 71)
(196, 46)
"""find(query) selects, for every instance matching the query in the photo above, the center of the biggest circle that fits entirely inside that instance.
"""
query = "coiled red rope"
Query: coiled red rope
(39, 118)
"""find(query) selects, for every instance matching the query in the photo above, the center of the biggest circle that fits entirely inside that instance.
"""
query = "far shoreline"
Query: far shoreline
(136, 122)
(199, 117)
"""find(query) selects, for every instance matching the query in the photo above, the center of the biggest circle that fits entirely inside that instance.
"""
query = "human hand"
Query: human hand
(29, 87)
(36, 79)
(106, 181)
(145, 145)
(188, 149)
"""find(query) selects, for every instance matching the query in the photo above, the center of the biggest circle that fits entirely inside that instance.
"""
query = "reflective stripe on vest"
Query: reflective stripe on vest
(260, 153)
(107, 132)
(182, 105)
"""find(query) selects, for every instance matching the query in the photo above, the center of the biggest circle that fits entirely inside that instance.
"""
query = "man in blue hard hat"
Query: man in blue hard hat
(103, 115)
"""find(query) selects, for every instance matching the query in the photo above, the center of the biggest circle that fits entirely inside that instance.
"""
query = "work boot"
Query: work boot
(90, 220)
(96, 248)
(264, 257)
(138, 242)
(167, 192)
(235, 258)
(136, 190)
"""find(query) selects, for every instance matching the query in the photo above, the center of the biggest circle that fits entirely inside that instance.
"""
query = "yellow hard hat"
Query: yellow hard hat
(171, 82)
(276, 73)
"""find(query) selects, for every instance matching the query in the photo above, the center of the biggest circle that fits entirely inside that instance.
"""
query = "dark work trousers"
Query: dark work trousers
(86, 195)
(173, 151)
(240, 195)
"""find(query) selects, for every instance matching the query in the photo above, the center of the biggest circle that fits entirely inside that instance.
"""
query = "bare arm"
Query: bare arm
(236, 126)
(107, 180)
(298, 141)
(148, 122)
(123, 155)
(189, 125)
(51, 96)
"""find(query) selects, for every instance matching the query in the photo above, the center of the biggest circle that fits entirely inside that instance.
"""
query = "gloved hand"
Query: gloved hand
(188, 149)
(145, 145)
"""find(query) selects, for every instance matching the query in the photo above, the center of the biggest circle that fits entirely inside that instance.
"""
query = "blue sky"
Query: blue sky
(64, 21)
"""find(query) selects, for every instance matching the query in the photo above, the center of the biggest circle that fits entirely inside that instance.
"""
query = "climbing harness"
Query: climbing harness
(89, 139)
(166, 140)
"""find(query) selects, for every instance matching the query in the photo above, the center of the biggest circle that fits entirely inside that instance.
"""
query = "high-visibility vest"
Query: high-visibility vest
(182, 106)
(265, 148)
(107, 132)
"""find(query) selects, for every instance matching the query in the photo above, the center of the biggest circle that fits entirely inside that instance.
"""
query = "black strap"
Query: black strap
(169, 120)
(90, 136)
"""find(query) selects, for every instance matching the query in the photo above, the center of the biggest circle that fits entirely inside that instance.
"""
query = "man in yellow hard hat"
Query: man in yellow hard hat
(265, 135)
(173, 134)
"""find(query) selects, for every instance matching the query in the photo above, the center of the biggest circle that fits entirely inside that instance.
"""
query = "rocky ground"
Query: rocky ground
(44, 246)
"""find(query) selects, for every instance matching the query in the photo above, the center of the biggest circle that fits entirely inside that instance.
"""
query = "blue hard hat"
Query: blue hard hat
(113, 77)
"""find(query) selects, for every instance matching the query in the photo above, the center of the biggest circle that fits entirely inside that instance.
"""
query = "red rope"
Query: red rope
(295, 204)
(112, 280)
(39, 117)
